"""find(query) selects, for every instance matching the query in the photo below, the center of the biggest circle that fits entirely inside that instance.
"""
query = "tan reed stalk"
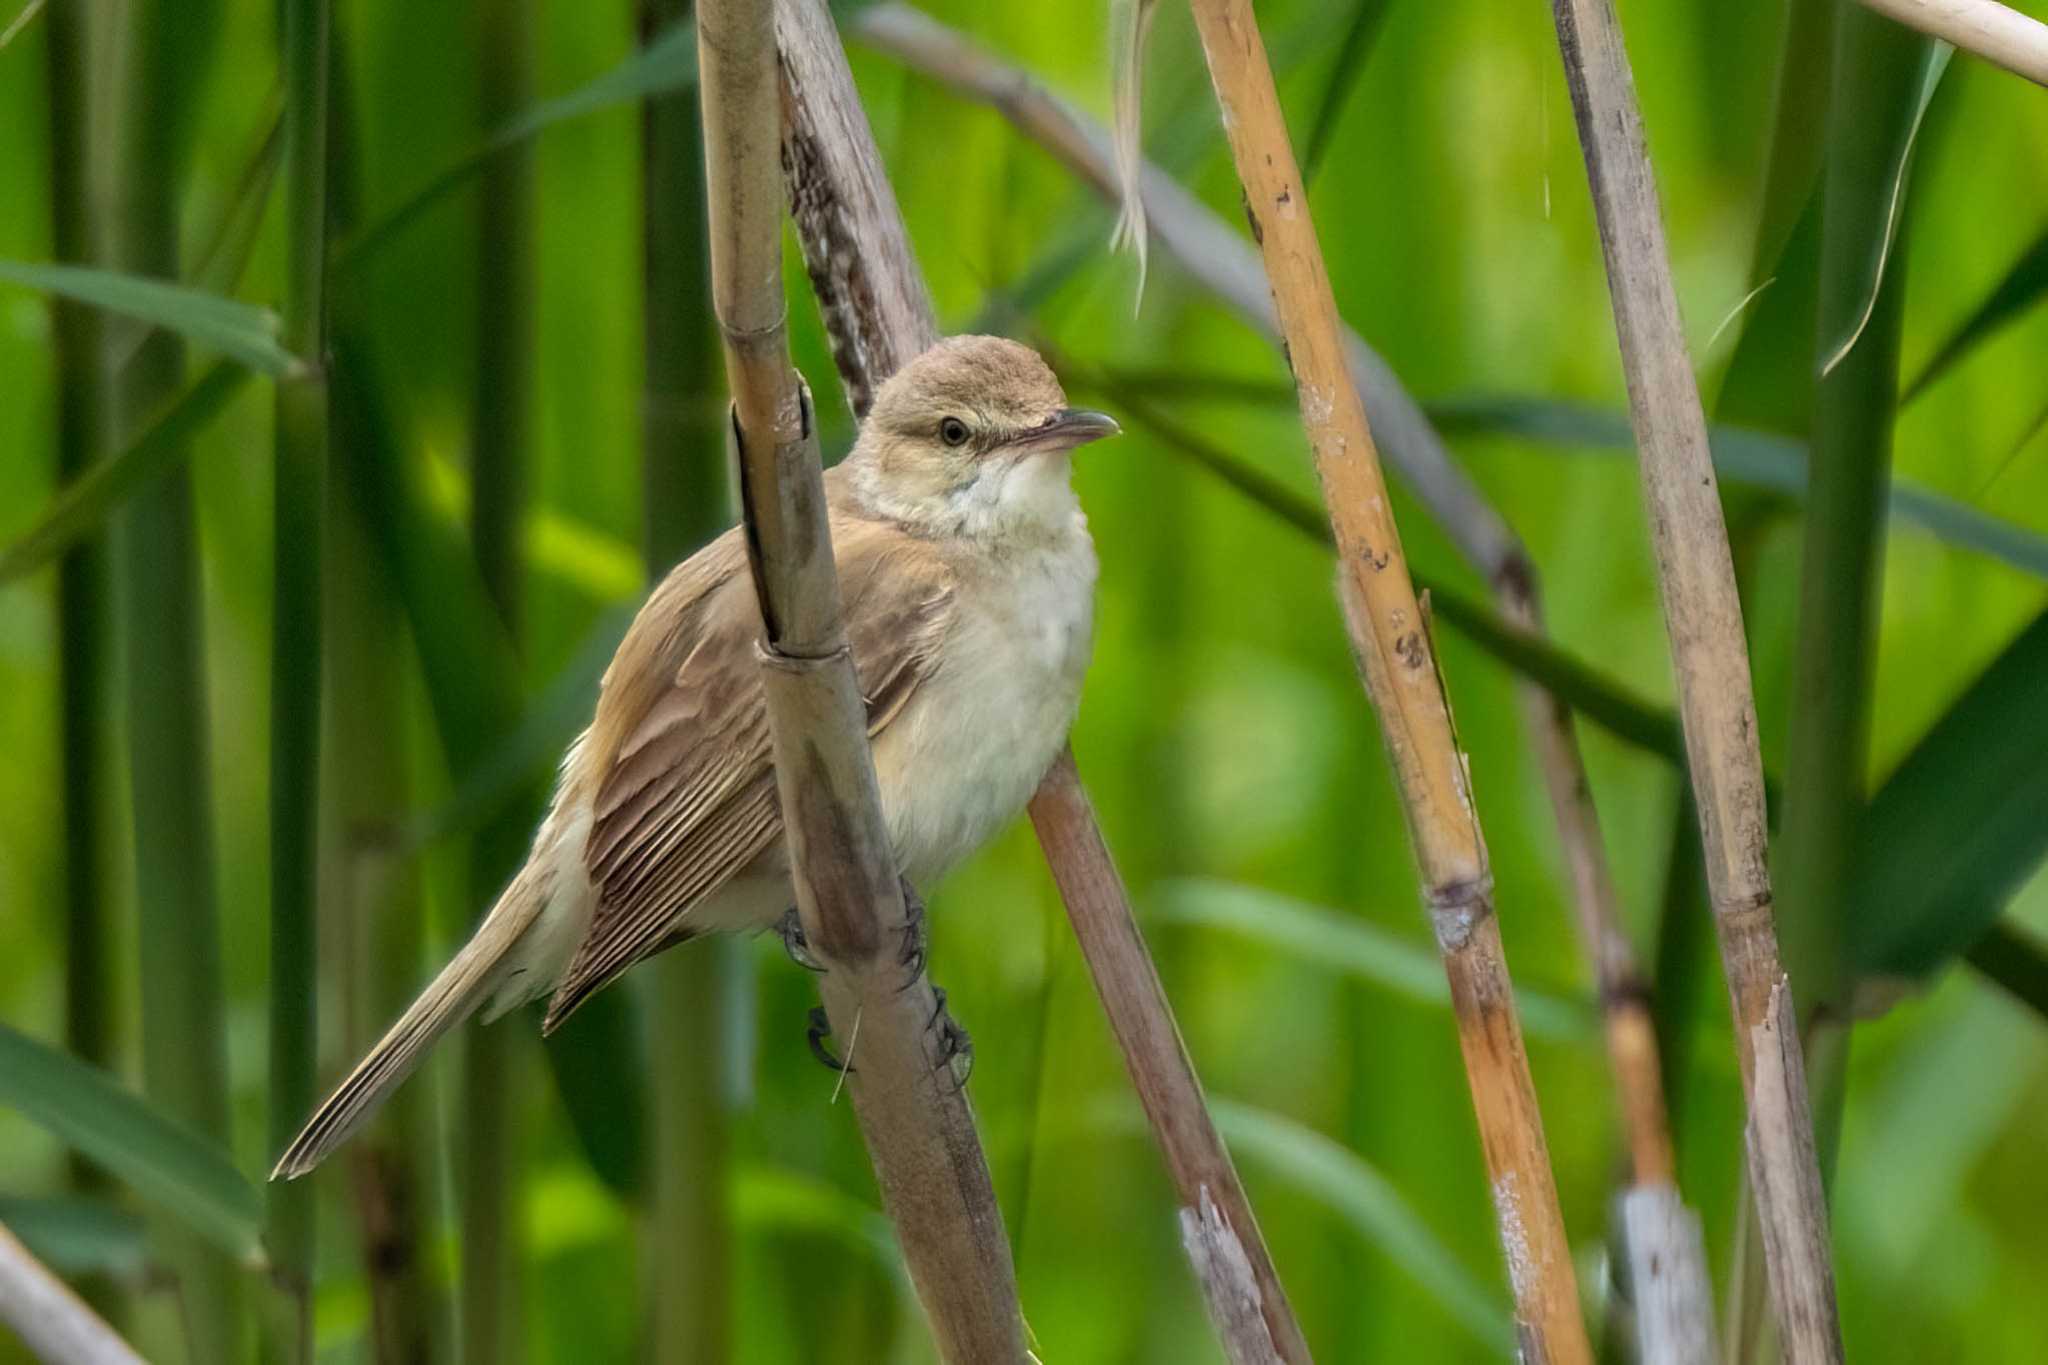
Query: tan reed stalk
(1391, 637)
(1703, 616)
(920, 1130)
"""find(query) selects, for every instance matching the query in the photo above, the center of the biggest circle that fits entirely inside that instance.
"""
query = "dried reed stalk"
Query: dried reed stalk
(2000, 35)
(920, 1131)
(51, 1320)
(879, 315)
(1703, 615)
(1390, 635)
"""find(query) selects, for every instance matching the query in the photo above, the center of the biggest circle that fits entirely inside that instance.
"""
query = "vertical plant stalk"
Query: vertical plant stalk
(1218, 1229)
(879, 315)
(371, 883)
(184, 1042)
(686, 501)
(488, 1175)
(1855, 401)
(920, 1130)
(296, 667)
(82, 589)
(375, 897)
(1703, 615)
(1390, 636)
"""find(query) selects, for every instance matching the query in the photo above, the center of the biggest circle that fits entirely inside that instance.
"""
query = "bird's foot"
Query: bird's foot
(956, 1046)
(816, 1034)
(916, 936)
(791, 928)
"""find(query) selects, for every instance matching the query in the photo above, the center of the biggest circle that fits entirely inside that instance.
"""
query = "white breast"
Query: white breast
(969, 749)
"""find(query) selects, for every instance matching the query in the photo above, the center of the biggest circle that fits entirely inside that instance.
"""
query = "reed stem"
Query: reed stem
(297, 639)
(1391, 638)
(1703, 616)
(499, 457)
(184, 1042)
(920, 1131)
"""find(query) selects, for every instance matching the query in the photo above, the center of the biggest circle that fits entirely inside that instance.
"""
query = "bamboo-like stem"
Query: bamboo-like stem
(920, 1131)
(296, 643)
(491, 1072)
(375, 898)
(184, 1042)
(1997, 33)
(879, 315)
(82, 588)
(1842, 553)
(1703, 615)
(1390, 635)
(52, 1321)
(686, 502)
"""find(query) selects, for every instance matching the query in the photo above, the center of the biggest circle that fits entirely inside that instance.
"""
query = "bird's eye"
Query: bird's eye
(953, 431)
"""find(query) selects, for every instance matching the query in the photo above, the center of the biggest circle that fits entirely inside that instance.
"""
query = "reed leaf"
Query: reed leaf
(1758, 459)
(2019, 289)
(1345, 1184)
(80, 1238)
(86, 503)
(165, 1161)
(1957, 826)
(240, 331)
(1332, 941)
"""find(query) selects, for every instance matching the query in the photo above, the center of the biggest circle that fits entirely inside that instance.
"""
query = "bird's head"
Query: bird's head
(972, 438)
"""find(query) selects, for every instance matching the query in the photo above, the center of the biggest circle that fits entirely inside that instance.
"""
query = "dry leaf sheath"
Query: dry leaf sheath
(1390, 636)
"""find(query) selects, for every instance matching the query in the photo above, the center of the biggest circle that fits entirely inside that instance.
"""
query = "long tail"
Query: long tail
(486, 966)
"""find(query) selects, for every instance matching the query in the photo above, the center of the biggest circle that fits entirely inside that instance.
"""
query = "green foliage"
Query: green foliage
(1957, 827)
(85, 504)
(239, 331)
(171, 1166)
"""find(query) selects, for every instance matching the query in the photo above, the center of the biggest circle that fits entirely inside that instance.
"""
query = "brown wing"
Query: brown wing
(686, 794)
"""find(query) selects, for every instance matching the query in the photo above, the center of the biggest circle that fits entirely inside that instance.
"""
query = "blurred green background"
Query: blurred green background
(1234, 762)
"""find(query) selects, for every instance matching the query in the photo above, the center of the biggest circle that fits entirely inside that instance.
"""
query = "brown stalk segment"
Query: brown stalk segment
(920, 1132)
(879, 315)
(1391, 639)
(1703, 615)
(1214, 1209)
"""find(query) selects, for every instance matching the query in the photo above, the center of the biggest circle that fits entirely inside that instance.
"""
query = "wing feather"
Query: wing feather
(685, 798)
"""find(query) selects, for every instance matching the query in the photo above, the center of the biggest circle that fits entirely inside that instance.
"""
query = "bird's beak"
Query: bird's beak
(1067, 428)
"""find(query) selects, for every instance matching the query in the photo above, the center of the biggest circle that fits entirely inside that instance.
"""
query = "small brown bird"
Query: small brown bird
(967, 579)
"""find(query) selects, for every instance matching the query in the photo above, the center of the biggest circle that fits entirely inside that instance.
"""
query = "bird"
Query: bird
(967, 581)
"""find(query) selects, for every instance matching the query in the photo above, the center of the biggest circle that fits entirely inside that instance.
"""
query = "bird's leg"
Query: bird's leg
(816, 1034)
(791, 927)
(956, 1047)
(916, 935)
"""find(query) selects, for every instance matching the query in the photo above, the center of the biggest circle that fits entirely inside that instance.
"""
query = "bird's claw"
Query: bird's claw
(956, 1046)
(791, 928)
(816, 1034)
(916, 936)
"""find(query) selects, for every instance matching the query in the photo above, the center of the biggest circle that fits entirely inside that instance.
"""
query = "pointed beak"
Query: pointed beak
(1070, 427)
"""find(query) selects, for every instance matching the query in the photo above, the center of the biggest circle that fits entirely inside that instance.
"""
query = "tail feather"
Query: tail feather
(482, 968)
